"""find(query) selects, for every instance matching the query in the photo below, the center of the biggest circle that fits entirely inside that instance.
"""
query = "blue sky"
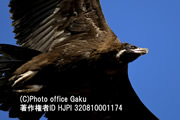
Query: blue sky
(154, 24)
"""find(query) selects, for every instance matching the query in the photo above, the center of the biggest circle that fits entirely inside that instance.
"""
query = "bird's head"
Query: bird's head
(129, 53)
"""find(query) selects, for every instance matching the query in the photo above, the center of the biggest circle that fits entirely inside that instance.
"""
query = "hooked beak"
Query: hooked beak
(141, 51)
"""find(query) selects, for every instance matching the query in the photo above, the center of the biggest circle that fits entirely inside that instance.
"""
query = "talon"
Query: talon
(30, 88)
(24, 76)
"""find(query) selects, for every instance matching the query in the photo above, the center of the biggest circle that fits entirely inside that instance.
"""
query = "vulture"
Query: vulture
(65, 49)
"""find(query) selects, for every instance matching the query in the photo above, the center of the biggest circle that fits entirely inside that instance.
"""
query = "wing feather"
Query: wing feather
(42, 24)
(33, 21)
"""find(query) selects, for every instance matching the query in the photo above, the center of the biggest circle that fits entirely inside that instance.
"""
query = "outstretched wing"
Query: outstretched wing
(42, 24)
(45, 25)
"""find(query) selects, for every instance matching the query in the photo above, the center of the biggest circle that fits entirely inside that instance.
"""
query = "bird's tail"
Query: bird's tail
(11, 58)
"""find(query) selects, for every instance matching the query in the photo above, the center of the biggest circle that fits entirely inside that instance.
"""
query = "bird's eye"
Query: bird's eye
(132, 46)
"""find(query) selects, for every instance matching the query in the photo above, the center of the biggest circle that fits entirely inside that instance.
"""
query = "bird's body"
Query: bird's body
(71, 51)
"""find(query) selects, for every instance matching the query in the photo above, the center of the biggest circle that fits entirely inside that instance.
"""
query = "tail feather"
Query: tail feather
(18, 53)
(8, 66)
(12, 58)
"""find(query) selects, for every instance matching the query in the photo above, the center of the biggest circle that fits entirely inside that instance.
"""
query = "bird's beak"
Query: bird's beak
(141, 51)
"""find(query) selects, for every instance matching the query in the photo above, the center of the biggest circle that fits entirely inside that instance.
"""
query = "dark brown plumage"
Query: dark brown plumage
(67, 48)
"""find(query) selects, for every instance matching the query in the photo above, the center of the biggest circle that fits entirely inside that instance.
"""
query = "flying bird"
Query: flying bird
(65, 47)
